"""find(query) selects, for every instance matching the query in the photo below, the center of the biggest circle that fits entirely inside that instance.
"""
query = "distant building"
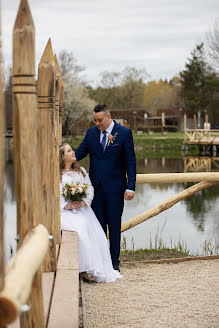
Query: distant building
(130, 117)
(140, 119)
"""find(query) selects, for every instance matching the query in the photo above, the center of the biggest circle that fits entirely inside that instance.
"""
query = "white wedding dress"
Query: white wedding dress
(94, 255)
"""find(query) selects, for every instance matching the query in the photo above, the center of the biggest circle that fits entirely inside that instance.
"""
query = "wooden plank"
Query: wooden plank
(65, 303)
(65, 299)
(68, 255)
(69, 236)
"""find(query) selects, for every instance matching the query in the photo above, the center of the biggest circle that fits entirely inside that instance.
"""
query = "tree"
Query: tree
(161, 95)
(68, 66)
(121, 89)
(77, 107)
(196, 89)
(213, 107)
(213, 43)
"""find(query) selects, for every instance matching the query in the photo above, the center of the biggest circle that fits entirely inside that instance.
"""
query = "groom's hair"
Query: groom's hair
(102, 108)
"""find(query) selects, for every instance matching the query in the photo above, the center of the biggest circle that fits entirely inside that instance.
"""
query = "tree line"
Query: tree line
(195, 89)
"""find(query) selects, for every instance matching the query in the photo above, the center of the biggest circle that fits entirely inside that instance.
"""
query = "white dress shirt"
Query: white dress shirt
(108, 133)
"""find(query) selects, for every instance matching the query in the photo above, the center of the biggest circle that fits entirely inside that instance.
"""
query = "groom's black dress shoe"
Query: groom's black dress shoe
(116, 267)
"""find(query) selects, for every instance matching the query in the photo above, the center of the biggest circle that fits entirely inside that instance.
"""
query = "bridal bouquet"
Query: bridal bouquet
(75, 192)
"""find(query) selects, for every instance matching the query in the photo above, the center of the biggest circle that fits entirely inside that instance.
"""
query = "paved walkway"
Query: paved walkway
(182, 295)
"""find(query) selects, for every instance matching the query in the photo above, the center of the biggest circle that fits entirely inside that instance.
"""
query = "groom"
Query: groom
(112, 172)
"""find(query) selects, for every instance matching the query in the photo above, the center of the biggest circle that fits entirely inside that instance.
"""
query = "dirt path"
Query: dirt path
(156, 295)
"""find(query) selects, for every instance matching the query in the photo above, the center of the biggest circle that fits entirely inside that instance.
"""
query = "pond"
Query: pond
(192, 223)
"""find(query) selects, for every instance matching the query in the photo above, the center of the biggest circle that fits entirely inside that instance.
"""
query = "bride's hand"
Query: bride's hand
(69, 206)
(78, 205)
(74, 205)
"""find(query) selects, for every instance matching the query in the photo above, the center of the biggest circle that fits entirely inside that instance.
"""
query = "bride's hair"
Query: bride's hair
(75, 166)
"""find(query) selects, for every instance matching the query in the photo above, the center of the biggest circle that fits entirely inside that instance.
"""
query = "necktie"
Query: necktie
(103, 142)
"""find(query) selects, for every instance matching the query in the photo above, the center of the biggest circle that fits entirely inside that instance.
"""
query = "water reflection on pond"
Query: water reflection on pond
(191, 221)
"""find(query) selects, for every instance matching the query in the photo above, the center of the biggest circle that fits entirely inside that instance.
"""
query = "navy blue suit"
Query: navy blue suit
(111, 173)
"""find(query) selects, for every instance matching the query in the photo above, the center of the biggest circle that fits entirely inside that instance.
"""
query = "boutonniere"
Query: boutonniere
(111, 139)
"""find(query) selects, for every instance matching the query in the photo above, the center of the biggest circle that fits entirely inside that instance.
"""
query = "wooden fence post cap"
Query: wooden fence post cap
(24, 16)
(47, 54)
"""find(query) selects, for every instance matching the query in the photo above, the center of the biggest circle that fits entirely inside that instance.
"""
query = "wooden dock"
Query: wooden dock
(201, 137)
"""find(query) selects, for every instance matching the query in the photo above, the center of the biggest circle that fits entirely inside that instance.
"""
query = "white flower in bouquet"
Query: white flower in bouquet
(73, 191)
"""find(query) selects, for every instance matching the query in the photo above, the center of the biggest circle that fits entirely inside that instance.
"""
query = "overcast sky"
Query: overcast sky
(157, 35)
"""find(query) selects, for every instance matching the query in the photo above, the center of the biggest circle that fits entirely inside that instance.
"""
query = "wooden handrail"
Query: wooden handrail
(177, 177)
(166, 204)
(20, 273)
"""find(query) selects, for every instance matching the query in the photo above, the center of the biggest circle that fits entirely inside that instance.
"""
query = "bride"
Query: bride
(94, 256)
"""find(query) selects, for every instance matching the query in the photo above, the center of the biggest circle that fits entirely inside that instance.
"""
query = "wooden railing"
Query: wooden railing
(36, 136)
(201, 136)
(204, 136)
(207, 180)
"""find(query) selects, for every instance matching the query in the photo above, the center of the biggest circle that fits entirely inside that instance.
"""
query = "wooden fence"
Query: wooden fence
(204, 180)
(200, 136)
(37, 111)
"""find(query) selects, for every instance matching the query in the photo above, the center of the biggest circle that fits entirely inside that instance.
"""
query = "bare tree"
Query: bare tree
(69, 67)
(77, 107)
(213, 43)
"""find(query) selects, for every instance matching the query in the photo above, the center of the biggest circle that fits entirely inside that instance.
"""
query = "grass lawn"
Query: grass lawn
(172, 138)
(155, 145)
(151, 254)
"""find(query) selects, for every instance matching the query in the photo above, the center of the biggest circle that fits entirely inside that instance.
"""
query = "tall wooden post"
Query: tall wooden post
(184, 127)
(2, 119)
(163, 122)
(25, 144)
(57, 228)
(61, 101)
(45, 134)
(24, 120)
(195, 122)
(206, 121)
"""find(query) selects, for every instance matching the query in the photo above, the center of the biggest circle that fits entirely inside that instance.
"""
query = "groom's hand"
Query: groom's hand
(129, 195)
